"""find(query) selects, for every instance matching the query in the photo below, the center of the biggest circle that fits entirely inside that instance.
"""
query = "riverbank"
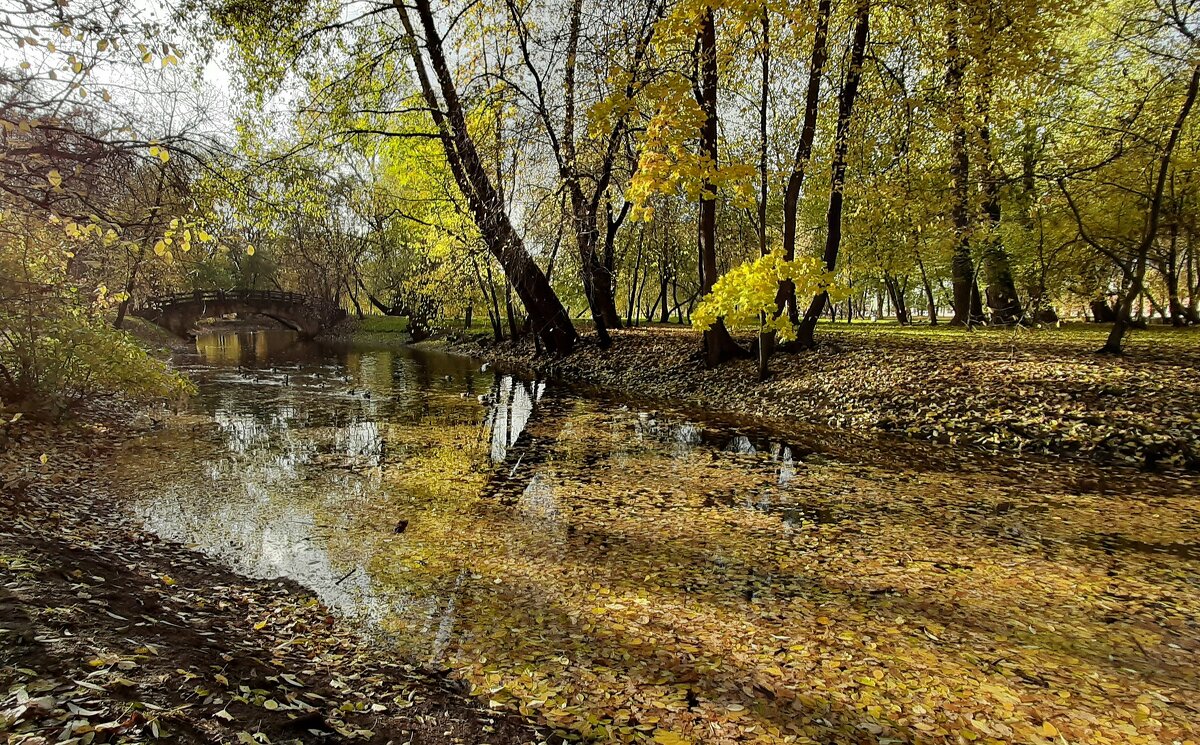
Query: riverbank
(109, 634)
(1001, 390)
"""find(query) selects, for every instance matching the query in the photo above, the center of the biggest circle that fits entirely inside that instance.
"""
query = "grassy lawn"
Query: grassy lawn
(383, 324)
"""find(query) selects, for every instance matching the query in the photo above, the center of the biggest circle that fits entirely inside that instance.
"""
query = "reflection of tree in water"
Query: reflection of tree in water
(522, 426)
(649, 427)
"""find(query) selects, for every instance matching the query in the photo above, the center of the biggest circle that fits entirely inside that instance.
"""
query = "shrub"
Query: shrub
(56, 349)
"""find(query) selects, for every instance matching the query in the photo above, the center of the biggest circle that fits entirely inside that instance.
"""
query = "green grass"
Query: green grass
(383, 324)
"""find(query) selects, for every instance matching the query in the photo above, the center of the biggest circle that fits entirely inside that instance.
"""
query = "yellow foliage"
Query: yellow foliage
(745, 296)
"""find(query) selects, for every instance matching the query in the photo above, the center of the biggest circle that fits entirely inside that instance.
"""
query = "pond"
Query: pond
(627, 570)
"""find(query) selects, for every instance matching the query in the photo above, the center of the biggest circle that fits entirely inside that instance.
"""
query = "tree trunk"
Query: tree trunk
(929, 299)
(664, 313)
(631, 303)
(1002, 299)
(833, 217)
(123, 308)
(1178, 312)
(719, 346)
(766, 340)
(896, 294)
(1112, 345)
(597, 281)
(358, 311)
(962, 269)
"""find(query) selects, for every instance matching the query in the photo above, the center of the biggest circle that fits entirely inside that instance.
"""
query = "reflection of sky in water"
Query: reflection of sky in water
(682, 436)
(741, 444)
(512, 405)
(538, 501)
(360, 439)
(261, 537)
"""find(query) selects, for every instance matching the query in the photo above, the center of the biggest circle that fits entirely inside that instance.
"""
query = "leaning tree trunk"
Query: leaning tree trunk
(837, 187)
(1112, 345)
(719, 346)
(549, 318)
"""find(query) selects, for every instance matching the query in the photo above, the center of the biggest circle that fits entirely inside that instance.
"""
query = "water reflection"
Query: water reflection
(315, 447)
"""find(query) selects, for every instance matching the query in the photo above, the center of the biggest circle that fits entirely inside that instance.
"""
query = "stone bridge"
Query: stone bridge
(180, 313)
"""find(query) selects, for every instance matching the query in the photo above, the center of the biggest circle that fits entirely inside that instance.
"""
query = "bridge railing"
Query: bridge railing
(213, 296)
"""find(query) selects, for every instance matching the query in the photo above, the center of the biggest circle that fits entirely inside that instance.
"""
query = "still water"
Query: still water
(623, 569)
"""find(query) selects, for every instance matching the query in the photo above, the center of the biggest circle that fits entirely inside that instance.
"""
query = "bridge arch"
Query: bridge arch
(180, 313)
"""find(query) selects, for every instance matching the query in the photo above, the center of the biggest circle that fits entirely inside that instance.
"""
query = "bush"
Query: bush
(56, 350)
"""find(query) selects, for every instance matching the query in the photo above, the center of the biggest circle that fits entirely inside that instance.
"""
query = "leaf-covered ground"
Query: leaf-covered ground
(997, 389)
(109, 635)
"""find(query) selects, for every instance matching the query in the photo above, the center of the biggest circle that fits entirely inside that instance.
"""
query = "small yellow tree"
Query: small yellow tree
(745, 296)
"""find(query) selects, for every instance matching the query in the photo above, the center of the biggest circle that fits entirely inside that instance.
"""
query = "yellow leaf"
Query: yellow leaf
(167, 580)
(1049, 730)
(55, 178)
(668, 737)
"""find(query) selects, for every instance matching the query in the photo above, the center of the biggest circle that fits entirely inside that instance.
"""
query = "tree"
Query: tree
(833, 221)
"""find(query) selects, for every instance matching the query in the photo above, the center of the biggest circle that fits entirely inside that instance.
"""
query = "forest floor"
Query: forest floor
(1011, 390)
(109, 635)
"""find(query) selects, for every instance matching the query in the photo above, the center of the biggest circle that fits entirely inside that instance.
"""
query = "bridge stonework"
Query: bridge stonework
(180, 313)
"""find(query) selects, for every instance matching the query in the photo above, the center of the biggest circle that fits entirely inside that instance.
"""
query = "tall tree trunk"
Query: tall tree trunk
(597, 281)
(1170, 271)
(664, 312)
(550, 320)
(510, 312)
(1002, 299)
(962, 268)
(631, 305)
(1112, 345)
(930, 301)
(786, 298)
(896, 295)
(718, 344)
(609, 277)
(766, 340)
(1193, 287)
(837, 187)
